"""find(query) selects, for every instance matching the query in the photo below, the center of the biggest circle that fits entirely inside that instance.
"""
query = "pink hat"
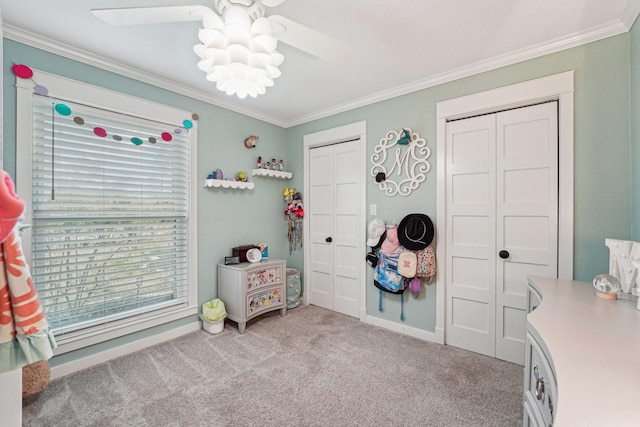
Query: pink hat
(391, 242)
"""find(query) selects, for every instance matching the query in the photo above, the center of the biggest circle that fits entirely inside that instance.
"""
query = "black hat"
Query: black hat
(415, 231)
(372, 259)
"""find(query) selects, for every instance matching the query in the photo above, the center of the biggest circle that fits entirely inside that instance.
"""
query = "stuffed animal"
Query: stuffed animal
(35, 378)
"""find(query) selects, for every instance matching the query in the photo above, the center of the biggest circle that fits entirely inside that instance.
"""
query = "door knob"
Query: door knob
(503, 254)
(328, 240)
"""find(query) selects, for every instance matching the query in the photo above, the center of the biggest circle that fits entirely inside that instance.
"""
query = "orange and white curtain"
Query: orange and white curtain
(25, 336)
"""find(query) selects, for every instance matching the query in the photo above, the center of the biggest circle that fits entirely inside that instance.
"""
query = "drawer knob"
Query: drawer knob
(328, 240)
(503, 254)
(540, 388)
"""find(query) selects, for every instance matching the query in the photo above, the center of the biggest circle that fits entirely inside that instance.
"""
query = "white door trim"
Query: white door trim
(328, 137)
(559, 87)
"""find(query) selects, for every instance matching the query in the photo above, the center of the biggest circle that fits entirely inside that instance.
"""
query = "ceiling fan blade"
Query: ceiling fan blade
(310, 41)
(151, 15)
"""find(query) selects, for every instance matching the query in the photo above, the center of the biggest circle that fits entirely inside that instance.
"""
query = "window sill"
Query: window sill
(97, 334)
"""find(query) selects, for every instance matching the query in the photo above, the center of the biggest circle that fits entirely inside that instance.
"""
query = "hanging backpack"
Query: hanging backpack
(388, 279)
(426, 264)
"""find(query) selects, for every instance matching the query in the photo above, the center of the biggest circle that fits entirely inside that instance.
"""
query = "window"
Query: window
(108, 180)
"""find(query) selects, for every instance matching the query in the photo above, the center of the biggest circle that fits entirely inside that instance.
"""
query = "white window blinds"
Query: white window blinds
(110, 234)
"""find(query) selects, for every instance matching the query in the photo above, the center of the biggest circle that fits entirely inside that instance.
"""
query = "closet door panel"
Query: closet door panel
(502, 224)
(334, 221)
(320, 212)
(526, 214)
(470, 234)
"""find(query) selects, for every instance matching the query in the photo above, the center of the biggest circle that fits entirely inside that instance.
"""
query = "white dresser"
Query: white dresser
(582, 365)
(251, 289)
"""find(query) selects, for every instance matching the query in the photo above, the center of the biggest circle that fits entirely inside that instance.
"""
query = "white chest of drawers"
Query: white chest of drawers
(251, 289)
(582, 365)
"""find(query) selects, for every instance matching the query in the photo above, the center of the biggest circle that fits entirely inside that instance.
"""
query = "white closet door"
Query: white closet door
(334, 221)
(471, 254)
(346, 219)
(320, 213)
(502, 182)
(527, 214)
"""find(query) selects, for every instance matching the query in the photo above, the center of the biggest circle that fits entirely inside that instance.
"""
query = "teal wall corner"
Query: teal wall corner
(635, 129)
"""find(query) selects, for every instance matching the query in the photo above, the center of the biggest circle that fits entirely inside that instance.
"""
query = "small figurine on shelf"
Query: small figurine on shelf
(264, 249)
(242, 176)
(267, 165)
(281, 165)
(259, 162)
(274, 165)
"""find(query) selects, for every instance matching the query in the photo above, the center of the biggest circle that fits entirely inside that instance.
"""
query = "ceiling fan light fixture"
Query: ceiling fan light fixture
(264, 43)
(262, 26)
(238, 52)
(212, 38)
(211, 20)
(273, 72)
(237, 34)
(241, 80)
(205, 64)
(218, 57)
(237, 15)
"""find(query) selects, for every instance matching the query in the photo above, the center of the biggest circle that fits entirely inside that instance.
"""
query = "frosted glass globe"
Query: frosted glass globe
(606, 283)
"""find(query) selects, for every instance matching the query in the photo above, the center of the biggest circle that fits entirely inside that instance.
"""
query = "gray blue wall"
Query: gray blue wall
(602, 150)
(635, 131)
(607, 102)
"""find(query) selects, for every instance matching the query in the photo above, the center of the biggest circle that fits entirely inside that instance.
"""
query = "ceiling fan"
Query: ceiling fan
(238, 43)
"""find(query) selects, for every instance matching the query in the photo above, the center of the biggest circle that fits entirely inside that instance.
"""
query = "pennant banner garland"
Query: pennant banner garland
(25, 72)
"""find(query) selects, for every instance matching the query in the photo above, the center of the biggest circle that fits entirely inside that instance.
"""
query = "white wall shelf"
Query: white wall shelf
(271, 173)
(240, 185)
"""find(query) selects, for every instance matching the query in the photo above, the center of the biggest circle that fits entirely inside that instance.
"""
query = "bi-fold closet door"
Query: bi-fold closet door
(334, 212)
(502, 224)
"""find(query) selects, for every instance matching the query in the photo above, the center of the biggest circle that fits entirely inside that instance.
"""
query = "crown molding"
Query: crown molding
(23, 36)
(594, 34)
(610, 29)
(630, 13)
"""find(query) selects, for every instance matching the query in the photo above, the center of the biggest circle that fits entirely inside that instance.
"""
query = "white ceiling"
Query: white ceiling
(400, 46)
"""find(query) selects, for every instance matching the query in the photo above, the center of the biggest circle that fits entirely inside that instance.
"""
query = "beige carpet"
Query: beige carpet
(313, 367)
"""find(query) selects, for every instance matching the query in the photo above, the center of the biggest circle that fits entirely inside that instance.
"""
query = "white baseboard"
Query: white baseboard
(104, 356)
(402, 329)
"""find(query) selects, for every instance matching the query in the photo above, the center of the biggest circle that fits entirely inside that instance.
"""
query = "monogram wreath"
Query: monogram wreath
(400, 162)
